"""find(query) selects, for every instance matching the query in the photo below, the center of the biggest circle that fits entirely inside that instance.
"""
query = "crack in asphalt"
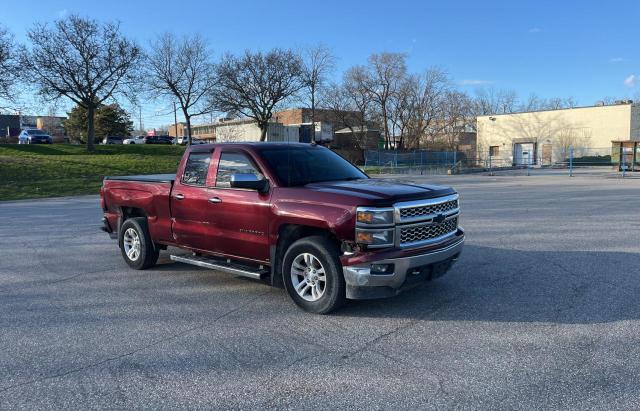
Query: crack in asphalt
(26, 285)
(130, 353)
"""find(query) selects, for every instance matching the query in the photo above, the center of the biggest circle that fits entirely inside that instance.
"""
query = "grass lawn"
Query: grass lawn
(30, 171)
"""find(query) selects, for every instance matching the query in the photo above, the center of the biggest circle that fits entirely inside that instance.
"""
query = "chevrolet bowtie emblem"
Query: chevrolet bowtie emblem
(439, 219)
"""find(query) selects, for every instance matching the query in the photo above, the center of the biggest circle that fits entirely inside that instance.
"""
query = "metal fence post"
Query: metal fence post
(622, 164)
(490, 172)
(455, 154)
(528, 163)
(571, 161)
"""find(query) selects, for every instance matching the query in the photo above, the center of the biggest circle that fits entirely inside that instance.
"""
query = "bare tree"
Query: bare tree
(457, 117)
(385, 72)
(348, 108)
(432, 89)
(490, 101)
(317, 63)
(80, 59)
(256, 83)
(536, 103)
(182, 69)
(404, 108)
(8, 64)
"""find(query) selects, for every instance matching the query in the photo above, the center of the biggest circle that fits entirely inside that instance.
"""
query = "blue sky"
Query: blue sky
(581, 49)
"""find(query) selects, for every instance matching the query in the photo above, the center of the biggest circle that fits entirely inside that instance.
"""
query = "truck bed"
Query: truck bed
(147, 178)
(150, 193)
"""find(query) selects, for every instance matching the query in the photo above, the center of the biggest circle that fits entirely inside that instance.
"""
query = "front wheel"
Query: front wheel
(136, 245)
(312, 275)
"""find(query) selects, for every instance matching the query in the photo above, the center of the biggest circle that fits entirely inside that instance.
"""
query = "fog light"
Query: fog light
(382, 269)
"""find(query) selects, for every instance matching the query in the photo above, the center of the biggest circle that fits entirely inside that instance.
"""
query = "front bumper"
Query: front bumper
(409, 271)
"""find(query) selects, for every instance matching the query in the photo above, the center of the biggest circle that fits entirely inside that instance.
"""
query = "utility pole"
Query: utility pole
(140, 119)
(175, 121)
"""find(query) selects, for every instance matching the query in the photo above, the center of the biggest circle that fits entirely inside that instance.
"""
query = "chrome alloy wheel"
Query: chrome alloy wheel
(131, 241)
(308, 277)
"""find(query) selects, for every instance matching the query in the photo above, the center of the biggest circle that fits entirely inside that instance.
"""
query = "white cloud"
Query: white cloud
(631, 81)
(62, 13)
(535, 30)
(616, 60)
(474, 82)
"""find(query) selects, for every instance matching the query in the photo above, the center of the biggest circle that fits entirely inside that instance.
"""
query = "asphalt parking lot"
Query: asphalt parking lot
(542, 311)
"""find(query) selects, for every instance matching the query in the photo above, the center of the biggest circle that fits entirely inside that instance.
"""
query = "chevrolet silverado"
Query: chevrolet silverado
(296, 216)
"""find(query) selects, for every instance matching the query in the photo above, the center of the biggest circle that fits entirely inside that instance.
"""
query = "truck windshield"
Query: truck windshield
(299, 166)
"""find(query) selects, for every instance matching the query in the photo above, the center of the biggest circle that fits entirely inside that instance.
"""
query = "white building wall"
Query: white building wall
(635, 122)
(588, 129)
(249, 131)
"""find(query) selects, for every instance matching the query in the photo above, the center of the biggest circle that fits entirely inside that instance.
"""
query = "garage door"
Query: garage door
(524, 154)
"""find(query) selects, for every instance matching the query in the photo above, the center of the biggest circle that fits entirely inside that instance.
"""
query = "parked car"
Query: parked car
(134, 140)
(183, 141)
(34, 136)
(295, 215)
(158, 140)
(112, 140)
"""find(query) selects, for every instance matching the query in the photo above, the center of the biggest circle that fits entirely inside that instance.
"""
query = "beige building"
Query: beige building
(248, 130)
(545, 137)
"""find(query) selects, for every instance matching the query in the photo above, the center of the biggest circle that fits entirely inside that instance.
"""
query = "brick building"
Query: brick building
(303, 116)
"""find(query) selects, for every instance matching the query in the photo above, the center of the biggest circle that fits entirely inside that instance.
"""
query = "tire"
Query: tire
(134, 235)
(302, 268)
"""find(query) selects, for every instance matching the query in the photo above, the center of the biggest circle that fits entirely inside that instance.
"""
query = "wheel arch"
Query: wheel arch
(126, 213)
(287, 235)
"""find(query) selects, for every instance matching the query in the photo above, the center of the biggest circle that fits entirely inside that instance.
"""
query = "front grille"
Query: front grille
(412, 212)
(427, 231)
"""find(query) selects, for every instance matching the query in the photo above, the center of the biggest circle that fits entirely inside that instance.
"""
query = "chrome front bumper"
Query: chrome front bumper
(361, 284)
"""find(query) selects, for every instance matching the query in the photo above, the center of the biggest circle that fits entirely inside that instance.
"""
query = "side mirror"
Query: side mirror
(249, 181)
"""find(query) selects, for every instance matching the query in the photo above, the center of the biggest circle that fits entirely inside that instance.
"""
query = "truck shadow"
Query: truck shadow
(502, 285)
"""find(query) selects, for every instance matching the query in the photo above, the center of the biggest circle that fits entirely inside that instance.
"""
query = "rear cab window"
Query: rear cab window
(196, 169)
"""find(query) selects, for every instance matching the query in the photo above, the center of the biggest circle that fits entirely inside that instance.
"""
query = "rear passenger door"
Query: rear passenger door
(190, 209)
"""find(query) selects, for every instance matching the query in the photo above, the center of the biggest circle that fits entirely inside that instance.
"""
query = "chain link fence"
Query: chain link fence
(412, 162)
(616, 159)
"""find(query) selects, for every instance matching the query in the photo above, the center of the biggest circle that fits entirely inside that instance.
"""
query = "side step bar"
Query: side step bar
(221, 265)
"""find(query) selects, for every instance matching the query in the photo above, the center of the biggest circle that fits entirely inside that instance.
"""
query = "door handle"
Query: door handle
(215, 200)
(179, 196)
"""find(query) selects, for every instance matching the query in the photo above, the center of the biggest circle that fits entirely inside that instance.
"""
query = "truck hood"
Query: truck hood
(382, 192)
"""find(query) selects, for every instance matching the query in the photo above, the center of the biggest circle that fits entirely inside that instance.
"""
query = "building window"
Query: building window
(494, 151)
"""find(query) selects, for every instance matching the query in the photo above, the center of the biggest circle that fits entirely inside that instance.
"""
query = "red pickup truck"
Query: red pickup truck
(297, 216)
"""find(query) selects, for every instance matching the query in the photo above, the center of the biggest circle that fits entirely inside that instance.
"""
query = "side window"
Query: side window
(195, 172)
(234, 163)
(494, 151)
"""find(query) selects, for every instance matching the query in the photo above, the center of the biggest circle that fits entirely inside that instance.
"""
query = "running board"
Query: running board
(221, 265)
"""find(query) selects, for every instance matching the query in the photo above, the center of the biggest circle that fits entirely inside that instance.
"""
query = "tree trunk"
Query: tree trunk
(91, 112)
(188, 121)
(263, 131)
(387, 140)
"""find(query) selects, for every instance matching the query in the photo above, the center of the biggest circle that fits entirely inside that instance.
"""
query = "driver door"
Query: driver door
(240, 216)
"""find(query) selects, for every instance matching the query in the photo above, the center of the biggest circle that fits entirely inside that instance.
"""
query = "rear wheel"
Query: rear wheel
(136, 245)
(312, 275)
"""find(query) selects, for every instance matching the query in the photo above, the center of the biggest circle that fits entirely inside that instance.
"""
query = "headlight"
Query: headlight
(366, 216)
(375, 238)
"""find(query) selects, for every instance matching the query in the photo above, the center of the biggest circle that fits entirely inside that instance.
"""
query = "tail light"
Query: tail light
(102, 203)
